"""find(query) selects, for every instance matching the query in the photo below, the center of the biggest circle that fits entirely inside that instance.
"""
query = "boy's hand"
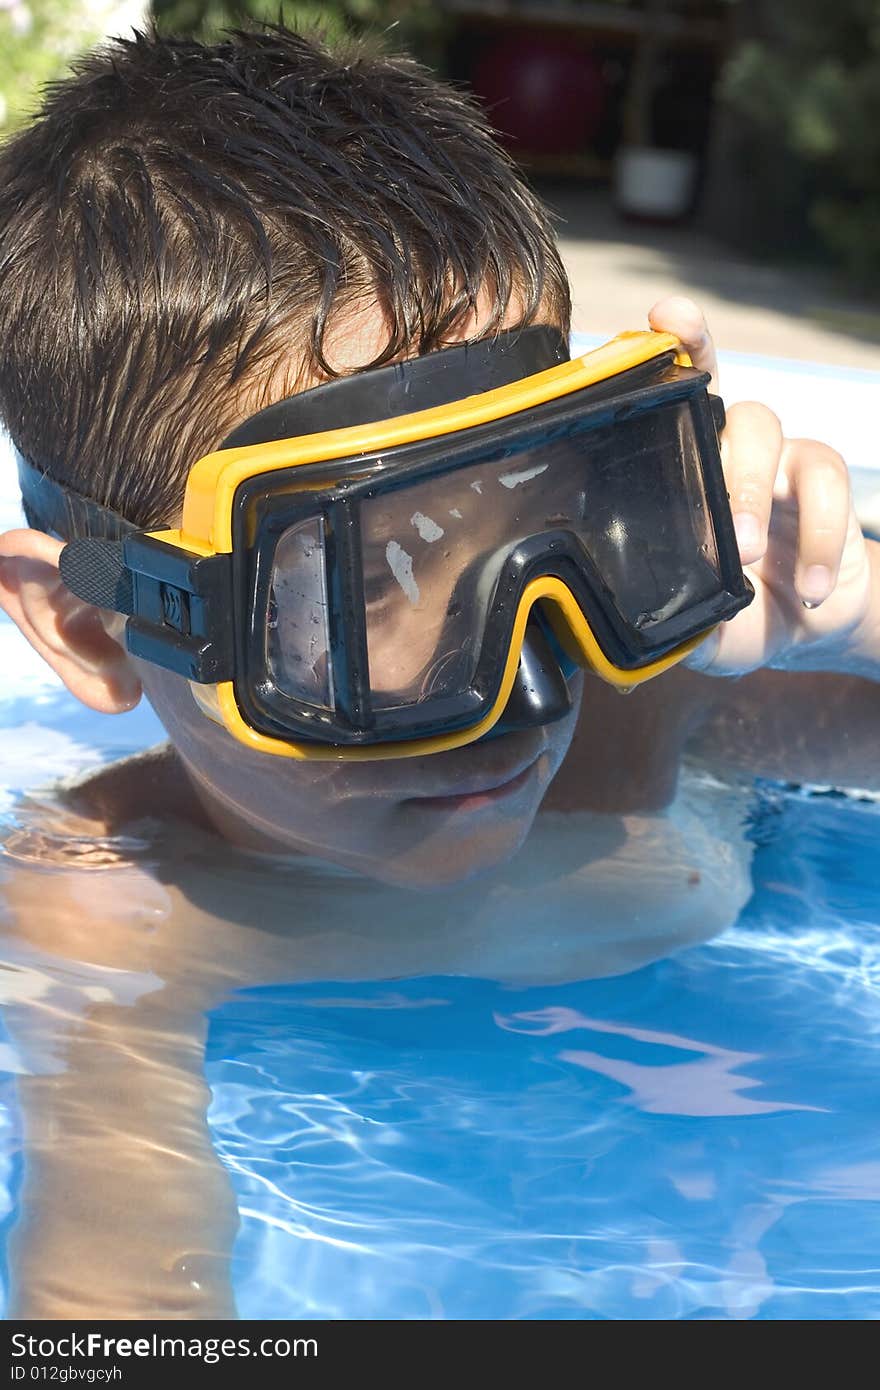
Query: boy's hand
(816, 604)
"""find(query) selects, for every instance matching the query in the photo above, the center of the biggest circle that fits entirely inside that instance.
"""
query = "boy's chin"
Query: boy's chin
(445, 861)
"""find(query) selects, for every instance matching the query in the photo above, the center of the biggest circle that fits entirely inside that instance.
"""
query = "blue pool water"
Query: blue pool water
(696, 1140)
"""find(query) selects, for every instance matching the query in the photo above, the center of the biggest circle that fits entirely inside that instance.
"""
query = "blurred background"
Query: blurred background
(730, 147)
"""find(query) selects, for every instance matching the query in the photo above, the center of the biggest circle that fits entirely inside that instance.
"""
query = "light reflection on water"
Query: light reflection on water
(698, 1139)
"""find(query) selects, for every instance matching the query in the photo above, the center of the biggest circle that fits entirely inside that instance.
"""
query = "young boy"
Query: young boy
(190, 234)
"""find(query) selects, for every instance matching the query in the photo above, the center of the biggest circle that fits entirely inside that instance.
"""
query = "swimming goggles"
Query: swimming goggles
(477, 524)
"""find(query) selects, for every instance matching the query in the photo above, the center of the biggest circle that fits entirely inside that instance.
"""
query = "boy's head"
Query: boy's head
(189, 233)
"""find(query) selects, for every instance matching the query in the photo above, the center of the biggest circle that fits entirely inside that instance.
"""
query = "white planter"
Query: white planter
(654, 183)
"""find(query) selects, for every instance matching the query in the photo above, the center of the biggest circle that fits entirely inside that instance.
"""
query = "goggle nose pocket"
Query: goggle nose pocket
(540, 693)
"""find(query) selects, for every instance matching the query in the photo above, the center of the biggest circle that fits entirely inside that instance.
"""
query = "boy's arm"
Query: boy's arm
(794, 727)
(125, 1210)
(809, 725)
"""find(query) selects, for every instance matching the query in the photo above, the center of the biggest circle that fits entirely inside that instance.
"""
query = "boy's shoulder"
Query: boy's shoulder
(150, 785)
(121, 819)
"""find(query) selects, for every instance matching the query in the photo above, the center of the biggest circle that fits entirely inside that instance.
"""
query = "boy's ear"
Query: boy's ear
(72, 636)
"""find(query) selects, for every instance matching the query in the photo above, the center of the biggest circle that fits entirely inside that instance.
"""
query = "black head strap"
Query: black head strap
(419, 383)
(93, 564)
(58, 510)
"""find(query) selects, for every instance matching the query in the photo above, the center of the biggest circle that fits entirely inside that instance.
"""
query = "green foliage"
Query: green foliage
(410, 24)
(37, 40)
(807, 94)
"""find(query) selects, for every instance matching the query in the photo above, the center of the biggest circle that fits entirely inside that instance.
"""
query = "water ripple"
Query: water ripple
(696, 1140)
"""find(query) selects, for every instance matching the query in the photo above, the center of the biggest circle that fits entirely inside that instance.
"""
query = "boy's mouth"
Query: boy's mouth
(506, 765)
(475, 799)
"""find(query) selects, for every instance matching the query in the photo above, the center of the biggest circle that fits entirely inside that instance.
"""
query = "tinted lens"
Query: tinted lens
(432, 555)
(631, 494)
(645, 522)
(297, 633)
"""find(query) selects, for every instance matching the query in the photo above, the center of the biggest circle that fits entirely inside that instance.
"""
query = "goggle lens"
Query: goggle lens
(298, 654)
(432, 551)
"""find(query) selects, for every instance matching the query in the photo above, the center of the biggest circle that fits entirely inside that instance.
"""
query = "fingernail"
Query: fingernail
(748, 532)
(815, 585)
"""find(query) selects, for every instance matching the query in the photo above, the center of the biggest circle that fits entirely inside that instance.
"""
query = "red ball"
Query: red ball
(544, 92)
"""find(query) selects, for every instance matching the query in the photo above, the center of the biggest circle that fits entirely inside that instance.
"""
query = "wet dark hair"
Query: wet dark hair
(181, 222)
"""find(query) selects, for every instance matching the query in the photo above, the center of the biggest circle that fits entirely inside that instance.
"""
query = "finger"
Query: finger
(681, 316)
(751, 639)
(819, 479)
(751, 449)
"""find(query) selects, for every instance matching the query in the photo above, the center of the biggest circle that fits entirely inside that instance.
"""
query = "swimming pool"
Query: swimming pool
(697, 1139)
